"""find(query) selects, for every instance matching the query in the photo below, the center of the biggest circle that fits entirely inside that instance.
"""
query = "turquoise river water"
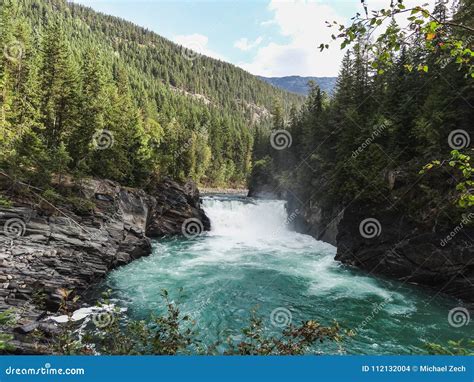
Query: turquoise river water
(252, 260)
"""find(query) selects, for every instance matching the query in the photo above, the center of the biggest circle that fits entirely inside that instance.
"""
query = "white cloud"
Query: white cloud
(267, 23)
(303, 22)
(245, 45)
(198, 43)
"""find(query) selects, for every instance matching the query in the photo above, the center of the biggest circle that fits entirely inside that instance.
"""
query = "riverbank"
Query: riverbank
(252, 260)
(52, 250)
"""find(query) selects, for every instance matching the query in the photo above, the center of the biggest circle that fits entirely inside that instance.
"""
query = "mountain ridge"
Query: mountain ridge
(299, 84)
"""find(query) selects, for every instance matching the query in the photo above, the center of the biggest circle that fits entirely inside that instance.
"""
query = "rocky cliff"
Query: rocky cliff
(436, 252)
(71, 245)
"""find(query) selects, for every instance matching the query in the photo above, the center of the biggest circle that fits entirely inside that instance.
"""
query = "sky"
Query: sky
(271, 38)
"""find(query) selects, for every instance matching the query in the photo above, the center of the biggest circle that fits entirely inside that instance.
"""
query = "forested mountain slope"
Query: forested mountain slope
(74, 81)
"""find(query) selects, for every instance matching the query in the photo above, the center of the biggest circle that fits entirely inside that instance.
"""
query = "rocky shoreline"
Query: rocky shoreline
(46, 249)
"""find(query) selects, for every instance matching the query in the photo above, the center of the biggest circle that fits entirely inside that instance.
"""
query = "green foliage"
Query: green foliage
(295, 340)
(6, 320)
(369, 141)
(452, 348)
(89, 94)
(51, 195)
(433, 31)
(81, 206)
(4, 202)
(465, 186)
(173, 333)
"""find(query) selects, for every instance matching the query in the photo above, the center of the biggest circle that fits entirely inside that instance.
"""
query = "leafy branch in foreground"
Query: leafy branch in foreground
(381, 33)
(452, 348)
(295, 340)
(173, 333)
(465, 186)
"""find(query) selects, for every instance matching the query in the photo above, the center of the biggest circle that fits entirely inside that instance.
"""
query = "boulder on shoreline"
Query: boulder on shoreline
(45, 248)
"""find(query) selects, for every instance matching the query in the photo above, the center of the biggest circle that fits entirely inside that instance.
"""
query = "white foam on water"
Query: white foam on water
(257, 233)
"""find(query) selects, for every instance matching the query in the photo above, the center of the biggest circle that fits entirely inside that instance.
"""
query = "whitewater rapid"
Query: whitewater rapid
(251, 259)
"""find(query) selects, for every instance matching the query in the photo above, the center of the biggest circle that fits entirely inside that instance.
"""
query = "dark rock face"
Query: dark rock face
(174, 205)
(313, 220)
(440, 259)
(44, 249)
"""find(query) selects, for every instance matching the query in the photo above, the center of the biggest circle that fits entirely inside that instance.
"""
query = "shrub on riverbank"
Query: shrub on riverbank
(172, 333)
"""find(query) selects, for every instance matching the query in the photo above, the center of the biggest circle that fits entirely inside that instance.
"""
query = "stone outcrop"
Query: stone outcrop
(398, 247)
(426, 251)
(174, 204)
(72, 246)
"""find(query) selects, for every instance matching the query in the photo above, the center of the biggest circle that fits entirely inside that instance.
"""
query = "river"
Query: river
(252, 260)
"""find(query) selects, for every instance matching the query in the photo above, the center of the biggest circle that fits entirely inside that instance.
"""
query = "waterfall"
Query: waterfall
(263, 220)
(252, 258)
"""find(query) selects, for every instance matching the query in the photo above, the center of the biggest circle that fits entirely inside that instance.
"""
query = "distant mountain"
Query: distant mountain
(299, 85)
